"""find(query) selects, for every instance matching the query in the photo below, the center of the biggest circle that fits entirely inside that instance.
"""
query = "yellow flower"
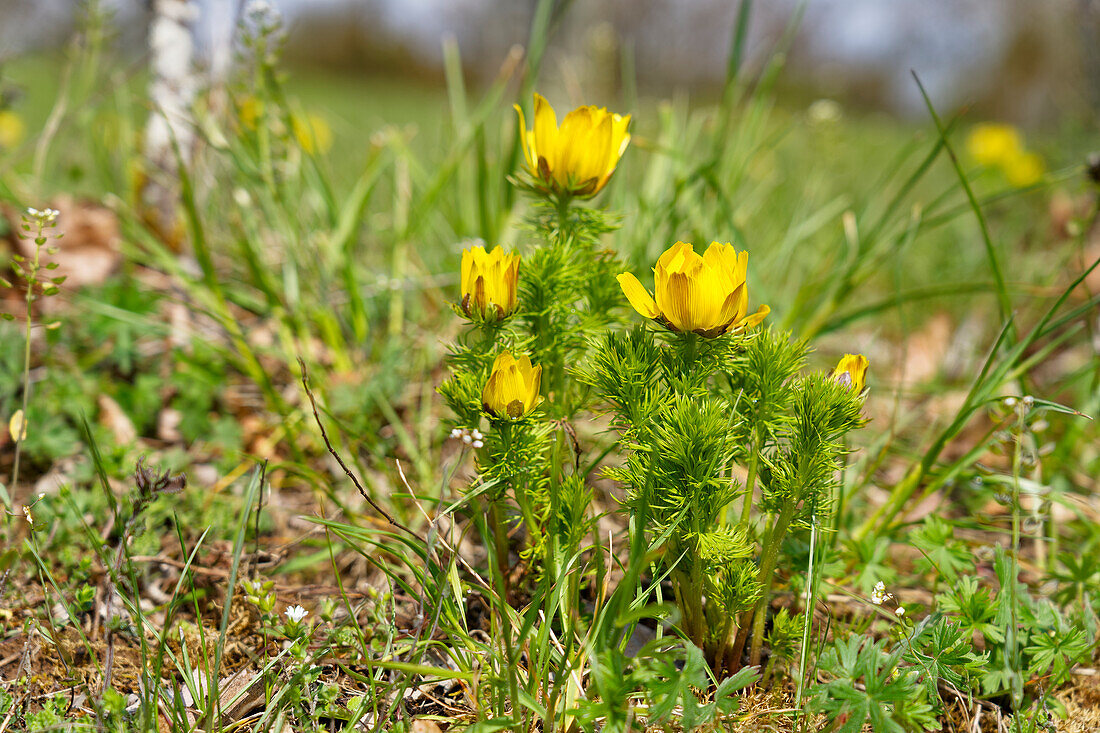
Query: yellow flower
(1023, 169)
(11, 129)
(707, 295)
(578, 158)
(852, 371)
(513, 388)
(312, 133)
(992, 143)
(489, 283)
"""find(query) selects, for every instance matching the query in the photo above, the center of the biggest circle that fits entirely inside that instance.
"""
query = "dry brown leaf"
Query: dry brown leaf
(925, 350)
(168, 423)
(423, 725)
(112, 417)
(240, 694)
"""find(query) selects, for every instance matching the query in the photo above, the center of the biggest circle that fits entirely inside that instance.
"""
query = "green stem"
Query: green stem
(765, 576)
(1012, 646)
(31, 282)
(500, 544)
(750, 483)
(501, 618)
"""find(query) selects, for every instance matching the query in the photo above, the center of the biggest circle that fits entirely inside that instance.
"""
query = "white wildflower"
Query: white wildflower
(879, 594)
(295, 613)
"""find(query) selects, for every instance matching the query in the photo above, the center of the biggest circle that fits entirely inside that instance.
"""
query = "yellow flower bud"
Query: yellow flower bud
(852, 371)
(706, 294)
(489, 282)
(578, 158)
(512, 391)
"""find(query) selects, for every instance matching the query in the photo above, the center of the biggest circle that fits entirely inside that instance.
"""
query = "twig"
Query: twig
(332, 451)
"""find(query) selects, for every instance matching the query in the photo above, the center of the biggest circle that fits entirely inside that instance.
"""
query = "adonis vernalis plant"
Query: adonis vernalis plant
(578, 158)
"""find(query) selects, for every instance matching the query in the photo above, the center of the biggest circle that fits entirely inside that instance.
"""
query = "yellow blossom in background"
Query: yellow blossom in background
(852, 371)
(578, 158)
(705, 294)
(489, 281)
(1023, 169)
(249, 111)
(513, 388)
(312, 133)
(993, 143)
(11, 129)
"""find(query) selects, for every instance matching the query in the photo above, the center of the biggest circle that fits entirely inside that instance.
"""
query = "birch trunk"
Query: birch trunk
(170, 127)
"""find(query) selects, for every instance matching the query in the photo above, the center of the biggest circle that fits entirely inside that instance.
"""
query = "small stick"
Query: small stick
(332, 451)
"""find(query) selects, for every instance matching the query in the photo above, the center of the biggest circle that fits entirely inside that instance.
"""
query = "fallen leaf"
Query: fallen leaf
(114, 419)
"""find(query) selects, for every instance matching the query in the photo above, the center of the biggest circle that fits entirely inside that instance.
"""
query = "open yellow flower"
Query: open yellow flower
(852, 371)
(489, 282)
(705, 294)
(578, 158)
(513, 388)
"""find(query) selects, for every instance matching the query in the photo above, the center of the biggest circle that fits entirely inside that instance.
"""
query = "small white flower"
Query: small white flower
(467, 439)
(295, 614)
(825, 111)
(899, 611)
(478, 444)
(879, 594)
(477, 434)
(456, 433)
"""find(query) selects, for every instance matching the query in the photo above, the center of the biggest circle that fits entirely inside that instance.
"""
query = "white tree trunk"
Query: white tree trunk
(170, 127)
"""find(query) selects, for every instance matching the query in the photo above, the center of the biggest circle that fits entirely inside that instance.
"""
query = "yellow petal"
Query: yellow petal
(731, 306)
(674, 301)
(756, 318)
(467, 270)
(526, 140)
(545, 132)
(639, 298)
(852, 369)
(592, 161)
(573, 137)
